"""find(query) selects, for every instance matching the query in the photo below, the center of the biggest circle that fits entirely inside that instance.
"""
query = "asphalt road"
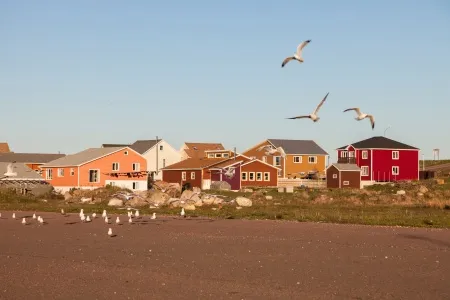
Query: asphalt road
(192, 258)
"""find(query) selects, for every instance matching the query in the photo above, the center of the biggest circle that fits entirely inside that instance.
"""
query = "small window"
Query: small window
(164, 162)
(279, 173)
(136, 167)
(192, 175)
(225, 155)
(161, 147)
(125, 152)
(112, 183)
(312, 159)
(60, 172)
(259, 176)
(334, 176)
(251, 176)
(343, 153)
(345, 183)
(115, 166)
(395, 155)
(135, 185)
(297, 159)
(72, 172)
(395, 170)
(210, 155)
(365, 154)
(277, 161)
(49, 174)
(218, 155)
(351, 154)
(183, 176)
(93, 176)
(266, 176)
(264, 159)
(244, 176)
(364, 171)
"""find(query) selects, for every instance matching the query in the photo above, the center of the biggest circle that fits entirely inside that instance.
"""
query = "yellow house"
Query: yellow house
(303, 157)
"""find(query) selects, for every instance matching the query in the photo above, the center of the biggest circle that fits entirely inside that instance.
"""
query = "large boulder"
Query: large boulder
(242, 201)
(137, 202)
(189, 196)
(172, 189)
(189, 207)
(157, 197)
(115, 202)
(220, 185)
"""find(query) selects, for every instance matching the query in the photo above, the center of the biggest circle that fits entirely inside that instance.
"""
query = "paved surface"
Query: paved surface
(194, 258)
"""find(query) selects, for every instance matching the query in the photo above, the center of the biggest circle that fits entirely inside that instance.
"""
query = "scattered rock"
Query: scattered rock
(247, 191)
(242, 201)
(221, 186)
(419, 194)
(189, 207)
(67, 196)
(423, 189)
(269, 198)
(157, 197)
(196, 189)
(137, 202)
(115, 202)
(189, 196)
(85, 200)
(401, 192)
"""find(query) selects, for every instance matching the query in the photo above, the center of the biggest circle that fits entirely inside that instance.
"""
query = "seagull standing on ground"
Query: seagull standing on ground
(313, 116)
(110, 232)
(297, 55)
(153, 216)
(183, 214)
(362, 116)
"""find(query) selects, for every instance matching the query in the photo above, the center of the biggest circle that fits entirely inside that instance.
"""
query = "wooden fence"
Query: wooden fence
(310, 183)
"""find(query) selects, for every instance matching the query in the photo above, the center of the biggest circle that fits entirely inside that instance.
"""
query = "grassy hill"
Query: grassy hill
(429, 162)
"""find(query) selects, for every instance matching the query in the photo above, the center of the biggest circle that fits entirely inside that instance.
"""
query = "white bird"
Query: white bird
(270, 150)
(313, 116)
(104, 213)
(0, 215)
(229, 173)
(362, 116)
(34, 216)
(94, 215)
(130, 220)
(182, 212)
(24, 221)
(153, 216)
(83, 218)
(110, 232)
(106, 220)
(41, 220)
(62, 211)
(297, 55)
(14, 215)
(117, 220)
(129, 214)
(88, 219)
(136, 214)
(10, 170)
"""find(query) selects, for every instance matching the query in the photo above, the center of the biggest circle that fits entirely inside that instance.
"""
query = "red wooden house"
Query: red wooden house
(382, 159)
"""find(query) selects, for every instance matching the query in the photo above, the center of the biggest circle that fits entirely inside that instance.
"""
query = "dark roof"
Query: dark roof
(114, 145)
(298, 146)
(346, 167)
(37, 158)
(379, 142)
(143, 146)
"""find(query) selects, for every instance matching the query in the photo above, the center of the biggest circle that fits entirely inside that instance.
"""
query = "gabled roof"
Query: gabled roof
(195, 163)
(143, 146)
(379, 142)
(259, 161)
(36, 158)
(83, 157)
(23, 172)
(114, 145)
(345, 167)
(231, 161)
(197, 150)
(4, 148)
(298, 146)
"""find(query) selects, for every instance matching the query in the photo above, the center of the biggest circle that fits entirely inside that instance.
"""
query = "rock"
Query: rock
(242, 201)
(281, 190)
(171, 189)
(423, 189)
(269, 198)
(196, 189)
(157, 197)
(137, 202)
(220, 185)
(189, 207)
(198, 203)
(189, 196)
(85, 199)
(238, 207)
(419, 194)
(208, 199)
(115, 202)
(289, 189)
(67, 196)
(77, 192)
(440, 181)
(247, 191)
(401, 192)
(218, 200)
(174, 202)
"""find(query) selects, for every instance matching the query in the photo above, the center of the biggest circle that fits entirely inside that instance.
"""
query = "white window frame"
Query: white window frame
(183, 176)
(344, 153)
(98, 175)
(334, 176)
(264, 159)
(250, 175)
(72, 171)
(49, 174)
(260, 176)
(300, 159)
(275, 161)
(351, 154)
(346, 183)
(365, 154)
(279, 172)
(135, 185)
(266, 176)
(210, 155)
(396, 155)
(118, 166)
(315, 159)
(225, 155)
(193, 175)
(244, 176)
(365, 173)
(60, 172)
(136, 167)
(218, 155)
(395, 173)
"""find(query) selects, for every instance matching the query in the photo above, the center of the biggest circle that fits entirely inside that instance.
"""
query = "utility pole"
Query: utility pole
(157, 149)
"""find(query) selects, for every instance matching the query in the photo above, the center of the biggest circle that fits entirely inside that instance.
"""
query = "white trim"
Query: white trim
(246, 177)
(340, 178)
(138, 167)
(371, 164)
(58, 173)
(348, 182)
(256, 176)
(78, 177)
(184, 169)
(98, 176)
(335, 176)
(257, 160)
(193, 173)
(249, 176)
(399, 149)
(118, 166)
(398, 154)
(46, 174)
(364, 168)
(183, 174)
(299, 161)
(332, 165)
(72, 170)
(398, 170)
(418, 165)
(275, 160)
(344, 152)
(268, 176)
(364, 152)
(315, 160)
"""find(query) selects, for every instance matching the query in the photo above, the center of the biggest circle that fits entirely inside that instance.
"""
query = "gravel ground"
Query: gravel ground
(195, 258)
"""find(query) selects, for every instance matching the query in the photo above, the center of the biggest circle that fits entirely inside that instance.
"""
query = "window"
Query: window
(343, 153)
(334, 176)
(266, 176)
(125, 153)
(244, 176)
(345, 183)
(161, 147)
(192, 175)
(395, 154)
(225, 155)
(364, 171)
(112, 183)
(365, 154)
(135, 185)
(115, 166)
(218, 155)
(264, 159)
(258, 176)
(136, 166)
(395, 170)
(72, 171)
(164, 162)
(210, 155)
(93, 176)
(277, 160)
(312, 159)
(183, 176)
(251, 176)
(279, 173)
(297, 159)
(351, 154)
(60, 172)
(49, 174)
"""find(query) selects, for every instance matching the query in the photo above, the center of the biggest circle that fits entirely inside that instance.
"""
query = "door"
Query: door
(206, 184)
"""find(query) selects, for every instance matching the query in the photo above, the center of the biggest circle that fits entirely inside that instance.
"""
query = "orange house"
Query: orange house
(97, 167)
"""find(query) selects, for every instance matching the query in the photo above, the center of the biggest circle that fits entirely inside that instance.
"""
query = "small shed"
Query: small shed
(341, 175)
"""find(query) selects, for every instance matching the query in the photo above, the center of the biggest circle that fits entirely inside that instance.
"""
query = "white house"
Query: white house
(159, 154)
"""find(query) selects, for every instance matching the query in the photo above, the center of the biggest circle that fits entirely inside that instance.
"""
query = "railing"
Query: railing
(310, 183)
(346, 160)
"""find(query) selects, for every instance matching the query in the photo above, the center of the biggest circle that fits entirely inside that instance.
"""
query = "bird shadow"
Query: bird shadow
(71, 223)
(427, 239)
(114, 235)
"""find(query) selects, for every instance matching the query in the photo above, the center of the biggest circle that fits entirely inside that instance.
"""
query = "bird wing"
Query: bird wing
(320, 104)
(281, 150)
(299, 117)
(301, 46)
(355, 109)
(286, 60)
(263, 147)
(372, 121)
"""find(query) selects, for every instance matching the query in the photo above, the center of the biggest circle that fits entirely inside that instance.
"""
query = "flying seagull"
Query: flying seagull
(270, 150)
(229, 173)
(362, 116)
(10, 170)
(297, 55)
(313, 116)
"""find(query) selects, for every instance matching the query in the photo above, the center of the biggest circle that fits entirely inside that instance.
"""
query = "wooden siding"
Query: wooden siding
(408, 165)
(256, 167)
(175, 176)
(332, 182)
(293, 169)
(353, 178)
(235, 182)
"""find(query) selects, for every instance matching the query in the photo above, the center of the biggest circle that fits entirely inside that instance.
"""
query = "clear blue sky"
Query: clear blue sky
(78, 74)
